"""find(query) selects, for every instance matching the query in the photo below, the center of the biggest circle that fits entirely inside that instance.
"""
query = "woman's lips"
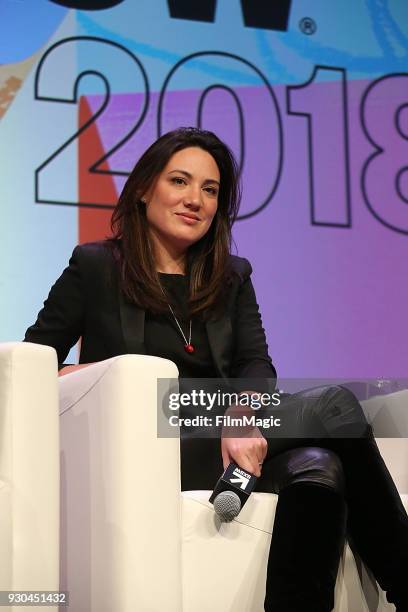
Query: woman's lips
(186, 219)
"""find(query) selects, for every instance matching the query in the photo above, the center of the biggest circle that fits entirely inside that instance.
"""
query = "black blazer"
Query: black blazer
(86, 302)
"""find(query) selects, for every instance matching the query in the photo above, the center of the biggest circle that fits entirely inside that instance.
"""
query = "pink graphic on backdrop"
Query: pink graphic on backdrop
(333, 299)
(259, 154)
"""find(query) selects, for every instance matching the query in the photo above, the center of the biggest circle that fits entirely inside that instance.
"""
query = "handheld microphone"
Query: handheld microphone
(231, 492)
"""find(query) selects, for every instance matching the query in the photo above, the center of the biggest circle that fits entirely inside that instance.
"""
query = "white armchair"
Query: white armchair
(120, 490)
(130, 540)
(29, 469)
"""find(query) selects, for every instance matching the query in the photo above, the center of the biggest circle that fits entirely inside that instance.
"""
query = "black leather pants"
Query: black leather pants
(309, 529)
(377, 523)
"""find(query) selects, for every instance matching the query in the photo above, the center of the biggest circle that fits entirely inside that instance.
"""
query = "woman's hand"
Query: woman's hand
(247, 451)
(246, 445)
(72, 368)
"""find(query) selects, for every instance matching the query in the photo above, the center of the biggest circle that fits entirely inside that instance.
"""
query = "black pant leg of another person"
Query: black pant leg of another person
(377, 523)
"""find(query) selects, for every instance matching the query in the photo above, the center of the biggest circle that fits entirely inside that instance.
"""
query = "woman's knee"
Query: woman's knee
(311, 464)
(341, 413)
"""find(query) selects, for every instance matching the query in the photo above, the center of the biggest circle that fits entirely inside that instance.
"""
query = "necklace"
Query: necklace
(188, 347)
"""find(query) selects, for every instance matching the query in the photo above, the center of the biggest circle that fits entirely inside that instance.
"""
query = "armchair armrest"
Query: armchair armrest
(121, 513)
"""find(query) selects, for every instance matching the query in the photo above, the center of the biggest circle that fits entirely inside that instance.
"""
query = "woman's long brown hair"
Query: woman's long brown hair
(207, 259)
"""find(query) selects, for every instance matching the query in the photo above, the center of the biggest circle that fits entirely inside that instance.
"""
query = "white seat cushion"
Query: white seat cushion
(227, 561)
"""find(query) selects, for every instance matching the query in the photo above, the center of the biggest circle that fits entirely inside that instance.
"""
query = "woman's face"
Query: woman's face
(182, 202)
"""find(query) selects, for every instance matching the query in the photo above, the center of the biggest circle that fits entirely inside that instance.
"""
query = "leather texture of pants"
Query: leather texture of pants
(331, 481)
(374, 518)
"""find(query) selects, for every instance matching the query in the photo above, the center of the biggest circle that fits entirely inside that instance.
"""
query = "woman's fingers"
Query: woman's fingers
(248, 452)
(250, 464)
(226, 459)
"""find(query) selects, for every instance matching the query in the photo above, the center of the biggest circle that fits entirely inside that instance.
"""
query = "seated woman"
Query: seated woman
(166, 284)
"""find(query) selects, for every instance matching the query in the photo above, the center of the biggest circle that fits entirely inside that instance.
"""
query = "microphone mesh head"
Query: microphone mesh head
(227, 505)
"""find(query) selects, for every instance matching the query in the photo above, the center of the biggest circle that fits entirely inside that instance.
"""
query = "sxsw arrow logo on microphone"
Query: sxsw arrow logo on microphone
(235, 479)
(242, 478)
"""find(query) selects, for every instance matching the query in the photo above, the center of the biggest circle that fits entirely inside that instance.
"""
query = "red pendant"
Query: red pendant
(189, 348)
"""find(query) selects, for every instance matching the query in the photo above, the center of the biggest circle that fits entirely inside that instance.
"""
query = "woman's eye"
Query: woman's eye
(177, 180)
(212, 191)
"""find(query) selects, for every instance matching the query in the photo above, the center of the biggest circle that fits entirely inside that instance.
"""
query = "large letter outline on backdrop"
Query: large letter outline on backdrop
(338, 150)
(382, 190)
(63, 97)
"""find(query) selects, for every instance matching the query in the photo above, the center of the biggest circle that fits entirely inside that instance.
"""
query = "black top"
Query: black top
(163, 337)
(86, 301)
